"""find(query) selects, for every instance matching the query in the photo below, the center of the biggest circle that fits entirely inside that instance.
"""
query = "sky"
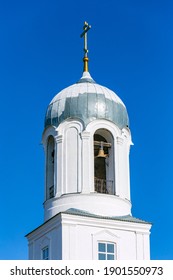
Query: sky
(130, 51)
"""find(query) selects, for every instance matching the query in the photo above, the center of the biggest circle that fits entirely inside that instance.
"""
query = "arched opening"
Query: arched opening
(103, 162)
(50, 190)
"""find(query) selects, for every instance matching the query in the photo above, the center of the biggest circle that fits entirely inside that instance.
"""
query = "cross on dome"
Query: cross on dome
(84, 34)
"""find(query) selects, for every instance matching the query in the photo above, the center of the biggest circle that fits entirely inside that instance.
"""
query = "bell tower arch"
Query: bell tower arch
(104, 169)
(50, 160)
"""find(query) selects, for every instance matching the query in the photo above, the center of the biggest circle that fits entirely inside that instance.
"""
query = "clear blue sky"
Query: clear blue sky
(131, 52)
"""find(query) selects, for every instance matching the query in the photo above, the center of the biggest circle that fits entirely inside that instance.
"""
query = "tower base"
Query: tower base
(78, 235)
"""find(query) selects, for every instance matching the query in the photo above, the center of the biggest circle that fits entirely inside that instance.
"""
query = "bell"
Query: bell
(101, 153)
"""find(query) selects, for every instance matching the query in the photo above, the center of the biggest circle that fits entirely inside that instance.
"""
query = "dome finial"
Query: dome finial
(84, 34)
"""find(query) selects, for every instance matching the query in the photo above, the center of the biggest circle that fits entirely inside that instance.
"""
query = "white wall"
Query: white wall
(76, 237)
(49, 234)
(81, 236)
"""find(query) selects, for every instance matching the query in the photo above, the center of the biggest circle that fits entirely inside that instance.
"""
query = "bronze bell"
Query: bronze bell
(101, 153)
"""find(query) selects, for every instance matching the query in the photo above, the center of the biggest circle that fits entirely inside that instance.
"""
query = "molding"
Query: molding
(107, 232)
(104, 236)
(106, 224)
(120, 140)
(59, 138)
(68, 124)
(50, 130)
(103, 124)
(85, 135)
(45, 228)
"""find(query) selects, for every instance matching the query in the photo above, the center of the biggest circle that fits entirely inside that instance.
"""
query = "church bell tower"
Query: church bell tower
(87, 205)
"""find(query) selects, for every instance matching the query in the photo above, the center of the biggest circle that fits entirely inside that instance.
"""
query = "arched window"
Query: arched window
(50, 191)
(103, 162)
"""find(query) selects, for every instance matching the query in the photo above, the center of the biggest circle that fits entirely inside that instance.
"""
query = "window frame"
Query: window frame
(45, 253)
(105, 251)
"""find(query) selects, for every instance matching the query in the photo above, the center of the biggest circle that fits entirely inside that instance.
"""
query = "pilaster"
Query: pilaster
(87, 178)
(59, 165)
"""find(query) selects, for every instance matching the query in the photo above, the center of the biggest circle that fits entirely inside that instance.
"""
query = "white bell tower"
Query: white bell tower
(87, 206)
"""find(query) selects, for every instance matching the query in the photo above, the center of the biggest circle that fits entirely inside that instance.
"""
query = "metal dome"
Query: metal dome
(86, 100)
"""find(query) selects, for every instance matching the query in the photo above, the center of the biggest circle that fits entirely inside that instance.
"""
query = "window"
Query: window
(50, 160)
(106, 251)
(51, 192)
(45, 253)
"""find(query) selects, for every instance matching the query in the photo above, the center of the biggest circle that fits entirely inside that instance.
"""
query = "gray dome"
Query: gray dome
(87, 101)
